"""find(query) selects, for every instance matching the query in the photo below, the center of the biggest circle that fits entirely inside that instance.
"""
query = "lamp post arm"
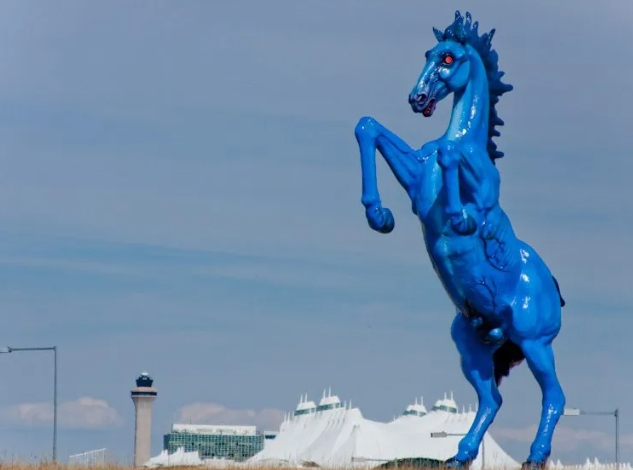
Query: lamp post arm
(47, 348)
(55, 404)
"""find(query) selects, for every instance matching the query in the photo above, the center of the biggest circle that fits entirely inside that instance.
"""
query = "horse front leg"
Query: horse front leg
(448, 158)
(401, 158)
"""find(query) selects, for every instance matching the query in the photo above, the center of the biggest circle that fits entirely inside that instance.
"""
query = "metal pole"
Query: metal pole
(54, 349)
(616, 413)
(617, 439)
(55, 404)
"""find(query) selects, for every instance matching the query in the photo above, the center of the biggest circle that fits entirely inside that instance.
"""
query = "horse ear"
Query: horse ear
(439, 35)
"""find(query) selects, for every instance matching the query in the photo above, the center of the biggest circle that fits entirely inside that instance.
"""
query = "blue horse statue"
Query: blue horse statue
(508, 303)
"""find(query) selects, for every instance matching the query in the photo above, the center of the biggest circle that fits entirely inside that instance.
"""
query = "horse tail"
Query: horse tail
(505, 358)
(562, 301)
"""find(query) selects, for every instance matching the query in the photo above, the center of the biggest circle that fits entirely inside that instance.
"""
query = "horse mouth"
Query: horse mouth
(428, 110)
(420, 103)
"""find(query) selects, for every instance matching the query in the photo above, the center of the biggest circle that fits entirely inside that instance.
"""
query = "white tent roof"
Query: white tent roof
(343, 437)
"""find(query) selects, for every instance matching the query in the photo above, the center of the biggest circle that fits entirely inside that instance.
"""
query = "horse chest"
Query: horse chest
(426, 194)
(452, 260)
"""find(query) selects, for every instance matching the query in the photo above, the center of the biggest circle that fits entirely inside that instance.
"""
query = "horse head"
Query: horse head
(448, 64)
(447, 69)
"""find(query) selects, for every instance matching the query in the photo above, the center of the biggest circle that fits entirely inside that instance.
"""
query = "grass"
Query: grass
(50, 466)
(14, 465)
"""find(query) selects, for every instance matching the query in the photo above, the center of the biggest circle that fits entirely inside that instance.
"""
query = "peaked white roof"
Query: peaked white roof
(305, 404)
(417, 408)
(342, 437)
(329, 399)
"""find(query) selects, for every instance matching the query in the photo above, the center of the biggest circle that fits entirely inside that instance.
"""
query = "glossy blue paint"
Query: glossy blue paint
(508, 303)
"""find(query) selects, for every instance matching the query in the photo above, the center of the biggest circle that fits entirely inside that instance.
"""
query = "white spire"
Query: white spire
(416, 401)
(324, 393)
(451, 394)
(422, 401)
(329, 392)
(445, 396)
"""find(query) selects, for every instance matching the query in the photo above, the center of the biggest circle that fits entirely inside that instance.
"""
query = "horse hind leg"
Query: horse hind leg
(478, 368)
(540, 359)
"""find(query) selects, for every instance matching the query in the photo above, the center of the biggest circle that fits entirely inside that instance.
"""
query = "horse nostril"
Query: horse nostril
(418, 98)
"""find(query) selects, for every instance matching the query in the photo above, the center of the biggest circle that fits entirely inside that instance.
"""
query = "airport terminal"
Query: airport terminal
(331, 433)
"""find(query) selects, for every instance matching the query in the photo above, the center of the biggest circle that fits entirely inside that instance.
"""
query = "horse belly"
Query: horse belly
(453, 262)
(468, 276)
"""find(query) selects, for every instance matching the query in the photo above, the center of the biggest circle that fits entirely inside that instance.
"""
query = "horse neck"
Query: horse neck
(469, 118)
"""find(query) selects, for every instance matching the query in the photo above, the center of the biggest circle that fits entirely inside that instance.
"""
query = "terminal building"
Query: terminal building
(236, 443)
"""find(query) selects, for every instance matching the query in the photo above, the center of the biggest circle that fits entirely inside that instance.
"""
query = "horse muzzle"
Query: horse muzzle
(421, 103)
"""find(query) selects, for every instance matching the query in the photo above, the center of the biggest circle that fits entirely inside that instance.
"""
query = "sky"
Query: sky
(180, 194)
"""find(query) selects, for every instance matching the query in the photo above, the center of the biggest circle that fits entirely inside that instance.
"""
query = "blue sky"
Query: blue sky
(180, 193)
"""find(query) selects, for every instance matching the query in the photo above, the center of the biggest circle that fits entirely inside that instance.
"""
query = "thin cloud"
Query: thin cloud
(213, 413)
(567, 439)
(83, 413)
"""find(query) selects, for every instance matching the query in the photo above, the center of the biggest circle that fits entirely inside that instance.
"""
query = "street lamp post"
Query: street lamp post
(8, 350)
(615, 413)
(483, 444)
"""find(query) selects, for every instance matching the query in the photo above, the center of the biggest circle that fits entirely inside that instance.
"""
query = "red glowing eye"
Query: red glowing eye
(448, 59)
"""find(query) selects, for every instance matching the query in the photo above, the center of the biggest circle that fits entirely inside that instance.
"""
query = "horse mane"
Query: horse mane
(466, 33)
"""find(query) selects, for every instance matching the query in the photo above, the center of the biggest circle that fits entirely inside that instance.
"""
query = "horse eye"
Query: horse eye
(448, 59)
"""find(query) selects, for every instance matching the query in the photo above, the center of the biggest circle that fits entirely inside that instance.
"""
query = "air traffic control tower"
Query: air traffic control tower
(143, 396)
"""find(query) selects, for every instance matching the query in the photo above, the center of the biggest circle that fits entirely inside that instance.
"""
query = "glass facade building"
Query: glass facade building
(237, 443)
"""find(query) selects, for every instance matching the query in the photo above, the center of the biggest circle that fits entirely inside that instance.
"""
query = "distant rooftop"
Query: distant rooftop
(144, 380)
(327, 402)
(417, 409)
(214, 429)
(446, 404)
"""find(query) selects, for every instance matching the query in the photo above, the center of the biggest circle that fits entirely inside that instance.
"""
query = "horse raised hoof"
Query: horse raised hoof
(528, 465)
(454, 463)
(380, 219)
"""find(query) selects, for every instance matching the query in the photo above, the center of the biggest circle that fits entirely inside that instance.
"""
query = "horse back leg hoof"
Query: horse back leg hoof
(529, 465)
(454, 463)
